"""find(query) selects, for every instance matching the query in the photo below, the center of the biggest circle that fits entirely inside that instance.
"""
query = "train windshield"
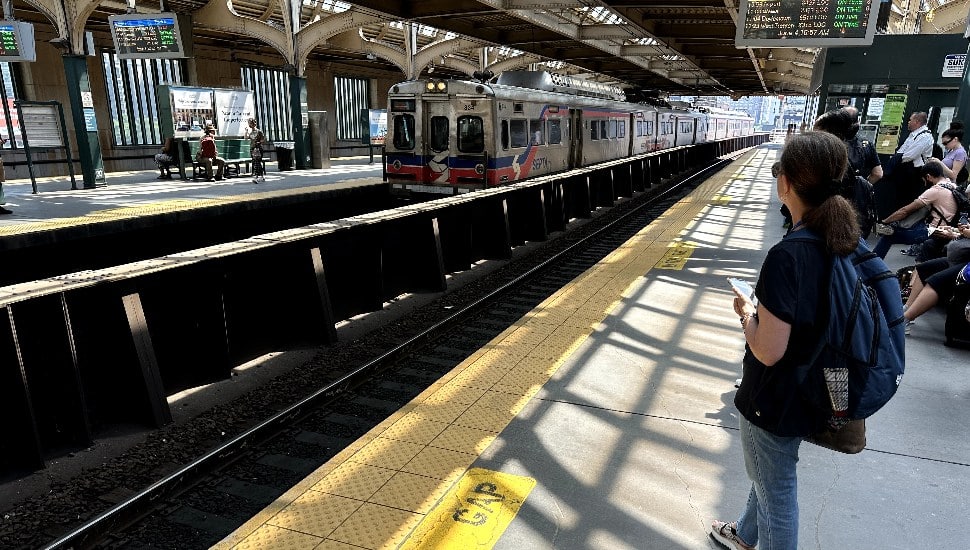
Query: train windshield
(439, 134)
(404, 132)
(471, 134)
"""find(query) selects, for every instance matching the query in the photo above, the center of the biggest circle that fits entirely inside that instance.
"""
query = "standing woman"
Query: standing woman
(780, 332)
(256, 140)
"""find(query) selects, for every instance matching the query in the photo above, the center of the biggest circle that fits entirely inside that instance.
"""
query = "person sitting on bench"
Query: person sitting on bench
(209, 155)
(164, 159)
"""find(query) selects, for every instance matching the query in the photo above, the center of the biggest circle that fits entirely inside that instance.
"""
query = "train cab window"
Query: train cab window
(555, 132)
(613, 133)
(438, 140)
(505, 134)
(471, 134)
(594, 130)
(535, 130)
(520, 132)
(621, 129)
(604, 129)
(404, 132)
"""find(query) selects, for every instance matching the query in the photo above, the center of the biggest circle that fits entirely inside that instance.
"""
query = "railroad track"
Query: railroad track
(205, 500)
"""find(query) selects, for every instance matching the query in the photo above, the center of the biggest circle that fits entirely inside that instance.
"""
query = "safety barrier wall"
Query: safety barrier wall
(83, 352)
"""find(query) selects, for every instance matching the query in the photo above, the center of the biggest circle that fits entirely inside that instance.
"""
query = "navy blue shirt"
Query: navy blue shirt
(790, 286)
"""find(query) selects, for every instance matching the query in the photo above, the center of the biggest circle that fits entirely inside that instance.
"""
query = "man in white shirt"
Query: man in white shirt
(919, 144)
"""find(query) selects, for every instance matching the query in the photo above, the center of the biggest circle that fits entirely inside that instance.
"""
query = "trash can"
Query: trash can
(284, 155)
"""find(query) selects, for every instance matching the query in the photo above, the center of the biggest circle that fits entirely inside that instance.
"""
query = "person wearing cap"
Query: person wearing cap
(209, 155)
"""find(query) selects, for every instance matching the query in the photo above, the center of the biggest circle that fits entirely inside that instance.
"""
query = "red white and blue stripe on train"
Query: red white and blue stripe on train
(455, 136)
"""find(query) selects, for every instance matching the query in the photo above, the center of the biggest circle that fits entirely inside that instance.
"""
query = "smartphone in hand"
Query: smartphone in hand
(742, 286)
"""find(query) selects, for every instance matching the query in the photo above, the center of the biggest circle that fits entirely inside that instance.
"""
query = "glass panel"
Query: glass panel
(438, 140)
(535, 128)
(555, 132)
(404, 132)
(471, 134)
(520, 133)
(613, 125)
(594, 130)
(505, 134)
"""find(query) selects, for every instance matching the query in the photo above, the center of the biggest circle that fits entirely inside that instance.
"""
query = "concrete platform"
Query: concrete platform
(604, 419)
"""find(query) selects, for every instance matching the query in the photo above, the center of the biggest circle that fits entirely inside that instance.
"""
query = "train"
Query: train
(450, 136)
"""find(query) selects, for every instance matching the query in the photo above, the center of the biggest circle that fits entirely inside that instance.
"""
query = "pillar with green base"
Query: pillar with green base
(85, 123)
(299, 113)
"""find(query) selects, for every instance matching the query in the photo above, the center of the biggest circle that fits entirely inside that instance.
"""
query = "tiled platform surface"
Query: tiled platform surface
(616, 397)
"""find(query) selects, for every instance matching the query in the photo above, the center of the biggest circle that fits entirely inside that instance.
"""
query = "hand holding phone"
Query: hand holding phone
(743, 287)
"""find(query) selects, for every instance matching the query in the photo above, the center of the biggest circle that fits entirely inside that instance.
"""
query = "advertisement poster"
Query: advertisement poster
(191, 111)
(378, 126)
(892, 117)
(234, 108)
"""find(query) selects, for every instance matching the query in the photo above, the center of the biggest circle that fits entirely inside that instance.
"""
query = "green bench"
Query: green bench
(234, 151)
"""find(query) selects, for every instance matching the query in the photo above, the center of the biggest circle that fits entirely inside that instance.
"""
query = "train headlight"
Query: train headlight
(396, 164)
(479, 169)
(441, 86)
(429, 86)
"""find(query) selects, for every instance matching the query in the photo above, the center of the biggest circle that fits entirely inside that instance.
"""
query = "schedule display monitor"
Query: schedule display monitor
(17, 41)
(806, 23)
(146, 35)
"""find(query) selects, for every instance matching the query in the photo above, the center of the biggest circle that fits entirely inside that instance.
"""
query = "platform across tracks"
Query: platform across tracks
(605, 419)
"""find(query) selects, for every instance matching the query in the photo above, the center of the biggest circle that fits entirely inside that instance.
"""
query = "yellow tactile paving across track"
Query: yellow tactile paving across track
(377, 491)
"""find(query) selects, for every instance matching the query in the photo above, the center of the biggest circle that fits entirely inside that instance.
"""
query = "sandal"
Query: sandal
(726, 534)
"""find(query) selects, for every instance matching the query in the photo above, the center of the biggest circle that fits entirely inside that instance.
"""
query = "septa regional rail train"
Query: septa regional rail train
(456, 136)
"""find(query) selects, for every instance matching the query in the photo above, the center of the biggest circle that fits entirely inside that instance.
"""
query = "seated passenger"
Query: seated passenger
(937, 197)
(164, 159)
(209, 155)
(938, 287)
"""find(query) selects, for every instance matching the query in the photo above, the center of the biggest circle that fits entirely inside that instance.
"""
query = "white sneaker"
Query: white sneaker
(909, 326)
(726, 535)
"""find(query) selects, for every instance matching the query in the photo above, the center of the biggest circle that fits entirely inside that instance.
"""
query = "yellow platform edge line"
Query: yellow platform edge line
(525, 368)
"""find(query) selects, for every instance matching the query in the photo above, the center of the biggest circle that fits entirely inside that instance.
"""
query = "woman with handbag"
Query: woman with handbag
(780, 332)
(908, 223)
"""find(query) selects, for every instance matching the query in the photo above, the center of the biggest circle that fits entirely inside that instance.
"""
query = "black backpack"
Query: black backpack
(963, 205)
(860, 193)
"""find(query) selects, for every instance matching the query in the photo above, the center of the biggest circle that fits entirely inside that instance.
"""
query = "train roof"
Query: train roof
(554, 82)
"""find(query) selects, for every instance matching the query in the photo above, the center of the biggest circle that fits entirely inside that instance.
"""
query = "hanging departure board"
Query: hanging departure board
(17, 41)
(146, 35)
(806, 23)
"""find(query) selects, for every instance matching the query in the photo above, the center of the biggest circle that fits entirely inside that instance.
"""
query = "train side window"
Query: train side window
(594, 127)
(648, 128)
(535, 129)
(520, 132)
(438, 141)
(404, 132)
(505, 134)
(471, 134)
(614, 132)
(604, 129)
(555, 132)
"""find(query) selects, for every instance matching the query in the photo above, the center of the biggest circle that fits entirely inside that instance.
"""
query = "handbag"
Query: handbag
(850, 439)
(912, 219)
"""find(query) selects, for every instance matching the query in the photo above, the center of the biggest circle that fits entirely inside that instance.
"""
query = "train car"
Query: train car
(456, 136)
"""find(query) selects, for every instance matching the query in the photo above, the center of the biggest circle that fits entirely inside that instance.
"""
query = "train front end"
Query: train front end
(438, 137)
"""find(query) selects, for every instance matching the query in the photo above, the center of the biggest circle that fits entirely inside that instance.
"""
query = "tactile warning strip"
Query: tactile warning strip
(374, 493)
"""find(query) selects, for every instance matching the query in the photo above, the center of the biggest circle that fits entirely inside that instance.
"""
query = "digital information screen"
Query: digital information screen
(17, 41)
(146, 36)
(806, 23)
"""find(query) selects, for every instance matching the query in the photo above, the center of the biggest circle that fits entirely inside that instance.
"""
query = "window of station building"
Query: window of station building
(555, 131)
(132, 103)
(438, 140)
(520, 132)
(271, 94)
(404, 131)
(350, 96)
(10, 89)
(535, 129)
(471, 134)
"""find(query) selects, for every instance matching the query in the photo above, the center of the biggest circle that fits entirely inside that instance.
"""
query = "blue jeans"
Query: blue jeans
(770, 518)
(913, 235)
